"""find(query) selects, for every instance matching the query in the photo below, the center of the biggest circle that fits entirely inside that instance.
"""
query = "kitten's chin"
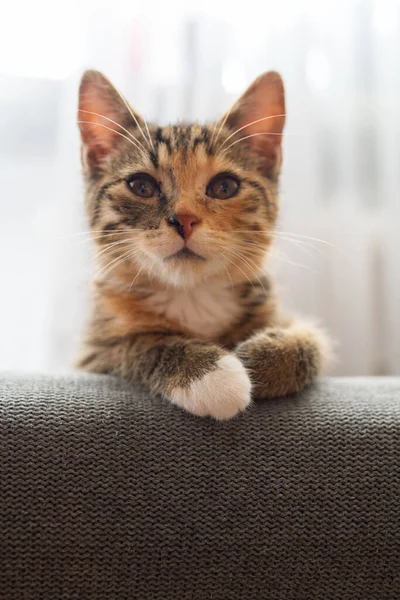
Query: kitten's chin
(185, 269)
(182, 274)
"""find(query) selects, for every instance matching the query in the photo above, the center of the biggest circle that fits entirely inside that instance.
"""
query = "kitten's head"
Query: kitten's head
(182, 203)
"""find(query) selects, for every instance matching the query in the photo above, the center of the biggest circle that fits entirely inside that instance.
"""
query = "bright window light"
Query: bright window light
(233, 76)
(386, 17)
(318, 70)
(39, 39)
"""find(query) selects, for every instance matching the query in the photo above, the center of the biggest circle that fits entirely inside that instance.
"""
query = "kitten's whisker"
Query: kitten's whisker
(110, 250)
(240, 257)
(280, 254)
(256, 268)
(102, 231)
(107, 251)
(303, 246)
(224, 120)
(252, 123)
(251, 244)
(246, 137)
(104, 236)
(148, 133)
(226, 269)
(134, 279)
(95, 240)
(298, 243)
(306, 237)
(104, 270)
(115, 131)
(124, 100)
(277, 233)
(110, 246)
(114, 122)
(237, 267)
(124, 253)
(123, 259)
(313, 239)
(253, 231)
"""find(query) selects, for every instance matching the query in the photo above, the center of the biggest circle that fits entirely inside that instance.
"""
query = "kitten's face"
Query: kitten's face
(183, 203)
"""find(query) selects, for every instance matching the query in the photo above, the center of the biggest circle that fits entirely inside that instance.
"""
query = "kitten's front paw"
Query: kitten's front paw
(221, 394)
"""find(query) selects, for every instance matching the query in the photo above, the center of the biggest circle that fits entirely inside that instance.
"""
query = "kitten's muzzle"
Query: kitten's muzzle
(184, 223)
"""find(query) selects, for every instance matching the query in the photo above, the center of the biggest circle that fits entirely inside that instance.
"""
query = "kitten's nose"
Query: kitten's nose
(184, 223)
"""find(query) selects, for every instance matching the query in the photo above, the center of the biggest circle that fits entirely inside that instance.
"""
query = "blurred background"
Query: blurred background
(337, 257)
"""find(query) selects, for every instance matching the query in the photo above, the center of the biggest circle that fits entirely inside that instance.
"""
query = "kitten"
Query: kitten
(183, 217)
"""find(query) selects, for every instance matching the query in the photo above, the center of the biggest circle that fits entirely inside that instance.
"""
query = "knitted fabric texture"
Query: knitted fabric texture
(109, 494)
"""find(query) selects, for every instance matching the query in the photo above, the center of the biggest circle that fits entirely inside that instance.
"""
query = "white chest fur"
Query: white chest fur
(207, 310)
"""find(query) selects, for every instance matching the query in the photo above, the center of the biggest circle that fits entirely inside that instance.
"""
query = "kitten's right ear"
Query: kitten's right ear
(258, 119)
(101, 114)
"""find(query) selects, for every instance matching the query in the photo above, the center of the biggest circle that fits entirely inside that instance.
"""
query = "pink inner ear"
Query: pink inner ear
(267, 135)
(101, 116)
(95, 130)
(267, 125)
(258, 117)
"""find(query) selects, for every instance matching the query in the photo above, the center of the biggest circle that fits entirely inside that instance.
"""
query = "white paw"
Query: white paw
(221, 394)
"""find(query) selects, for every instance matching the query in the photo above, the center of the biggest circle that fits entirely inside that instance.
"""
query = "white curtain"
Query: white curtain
(340, 186)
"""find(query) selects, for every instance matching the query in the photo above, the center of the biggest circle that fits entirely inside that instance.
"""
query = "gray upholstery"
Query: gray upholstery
(107, 494)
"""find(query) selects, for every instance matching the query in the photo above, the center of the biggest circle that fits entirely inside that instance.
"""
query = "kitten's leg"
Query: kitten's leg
(200, 377)
(283, 361)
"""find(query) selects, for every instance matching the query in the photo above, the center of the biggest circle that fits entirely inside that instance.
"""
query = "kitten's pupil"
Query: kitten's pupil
(223, 187)
(143, 185)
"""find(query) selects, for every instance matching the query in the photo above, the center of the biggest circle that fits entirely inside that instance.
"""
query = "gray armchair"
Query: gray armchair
(109, 494)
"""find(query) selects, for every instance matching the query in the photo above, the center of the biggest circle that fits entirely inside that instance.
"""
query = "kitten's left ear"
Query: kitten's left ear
(103, 118)
(258, 118)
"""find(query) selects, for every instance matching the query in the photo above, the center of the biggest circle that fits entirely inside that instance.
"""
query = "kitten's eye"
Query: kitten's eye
(223, 187)
(143, 185)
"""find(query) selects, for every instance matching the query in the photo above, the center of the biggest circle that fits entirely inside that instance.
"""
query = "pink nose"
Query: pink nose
(184, 222)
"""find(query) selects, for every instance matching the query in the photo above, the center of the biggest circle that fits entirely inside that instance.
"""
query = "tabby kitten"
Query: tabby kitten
(183, 216)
